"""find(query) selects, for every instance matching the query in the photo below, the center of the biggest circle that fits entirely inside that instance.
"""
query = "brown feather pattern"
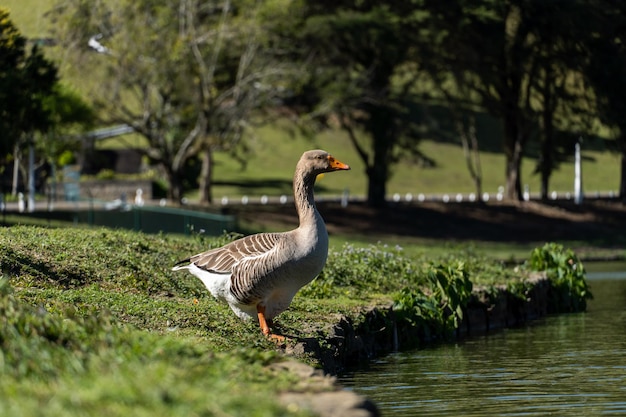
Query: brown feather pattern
(222, 260)
(248, 259)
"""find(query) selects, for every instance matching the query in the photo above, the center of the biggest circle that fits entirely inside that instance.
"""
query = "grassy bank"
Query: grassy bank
(93, 325)
(94, 321)
(77, 362)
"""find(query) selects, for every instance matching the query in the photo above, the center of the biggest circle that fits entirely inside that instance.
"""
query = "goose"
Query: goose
(258, 275)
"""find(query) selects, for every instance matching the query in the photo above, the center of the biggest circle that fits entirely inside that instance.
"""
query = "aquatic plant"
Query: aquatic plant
(569, 290)
(452, 287)
(439, 305)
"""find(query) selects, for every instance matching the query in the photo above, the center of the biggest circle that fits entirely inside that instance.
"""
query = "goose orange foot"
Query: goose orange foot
(265, 328)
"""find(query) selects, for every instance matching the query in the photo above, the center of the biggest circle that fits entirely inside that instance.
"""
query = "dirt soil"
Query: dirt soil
(599, 222)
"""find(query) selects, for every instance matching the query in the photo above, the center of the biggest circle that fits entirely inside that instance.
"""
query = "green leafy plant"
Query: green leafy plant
(106, 174)
(441, 304)
(570, 290)
(520, 289)
(452, 287)
(414, 306)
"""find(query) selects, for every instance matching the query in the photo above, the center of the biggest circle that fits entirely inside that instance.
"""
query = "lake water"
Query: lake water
(567, 365)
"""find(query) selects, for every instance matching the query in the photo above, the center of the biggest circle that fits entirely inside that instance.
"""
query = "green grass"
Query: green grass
(417, 248)
(87, 363)
(508, 252)
(29, 16)
(128, 275)
(95, 322)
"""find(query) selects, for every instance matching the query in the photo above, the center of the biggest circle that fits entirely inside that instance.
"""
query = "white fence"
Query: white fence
(346, 198)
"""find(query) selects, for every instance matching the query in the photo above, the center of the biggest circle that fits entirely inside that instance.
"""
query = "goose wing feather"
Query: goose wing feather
(250, 261)
(223, 260)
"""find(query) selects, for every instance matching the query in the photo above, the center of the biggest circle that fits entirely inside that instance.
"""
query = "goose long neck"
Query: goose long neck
(303, 184)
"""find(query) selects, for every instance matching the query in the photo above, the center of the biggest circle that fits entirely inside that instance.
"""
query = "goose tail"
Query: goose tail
(184, 264)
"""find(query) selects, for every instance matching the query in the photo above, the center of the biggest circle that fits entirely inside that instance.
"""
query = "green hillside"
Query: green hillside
(29, 16)
(274, 153)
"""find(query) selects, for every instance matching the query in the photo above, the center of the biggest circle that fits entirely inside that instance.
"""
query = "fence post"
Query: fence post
(578, 177)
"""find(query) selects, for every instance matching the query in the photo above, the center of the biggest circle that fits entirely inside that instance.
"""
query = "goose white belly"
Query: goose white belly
(219, 286)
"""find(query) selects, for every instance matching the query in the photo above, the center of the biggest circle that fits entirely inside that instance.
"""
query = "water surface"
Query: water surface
(567, 365)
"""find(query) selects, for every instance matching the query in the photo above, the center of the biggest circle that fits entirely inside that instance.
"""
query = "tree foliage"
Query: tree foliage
(361, 78)
(192, 77)
(27, 78)
(35, 108)
(377, 70)
(519, 64)
(187, 75)
(604, 71)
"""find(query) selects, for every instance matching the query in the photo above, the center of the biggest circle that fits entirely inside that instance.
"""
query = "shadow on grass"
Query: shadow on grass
(20, 264)
(597, 223)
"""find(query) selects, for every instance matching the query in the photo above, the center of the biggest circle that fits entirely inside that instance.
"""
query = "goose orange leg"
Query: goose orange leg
(260, 309)
(265, 328)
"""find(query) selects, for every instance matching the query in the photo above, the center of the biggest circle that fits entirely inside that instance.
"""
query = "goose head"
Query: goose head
(317, 162)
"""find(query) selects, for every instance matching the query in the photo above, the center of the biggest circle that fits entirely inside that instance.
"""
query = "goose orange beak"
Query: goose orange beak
(336, 164)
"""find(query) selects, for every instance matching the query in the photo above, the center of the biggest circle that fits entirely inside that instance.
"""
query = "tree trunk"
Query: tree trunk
(512, 190)
(383, 138)
(622, 183)
(546, 161)
(376, 186)
(471, 151)
(206, 177)
(545, 186)
(16, 171)
(175, 189)
(514, 146)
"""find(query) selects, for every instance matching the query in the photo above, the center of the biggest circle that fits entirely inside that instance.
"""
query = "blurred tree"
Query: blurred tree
(26, 81)
(562, 99)
(362, 71)
(605, 72)
(187, 75)
(518, 63)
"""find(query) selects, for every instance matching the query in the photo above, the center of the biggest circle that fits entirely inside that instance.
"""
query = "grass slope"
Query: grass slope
(29, 16)
(275, 152)
(94, 322)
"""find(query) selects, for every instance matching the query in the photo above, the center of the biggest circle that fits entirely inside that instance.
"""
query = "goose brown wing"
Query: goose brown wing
(254, 277)
(222, 260)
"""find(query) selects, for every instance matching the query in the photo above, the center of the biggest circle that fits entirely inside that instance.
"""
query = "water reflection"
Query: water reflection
(564, 365)
(605, 270)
